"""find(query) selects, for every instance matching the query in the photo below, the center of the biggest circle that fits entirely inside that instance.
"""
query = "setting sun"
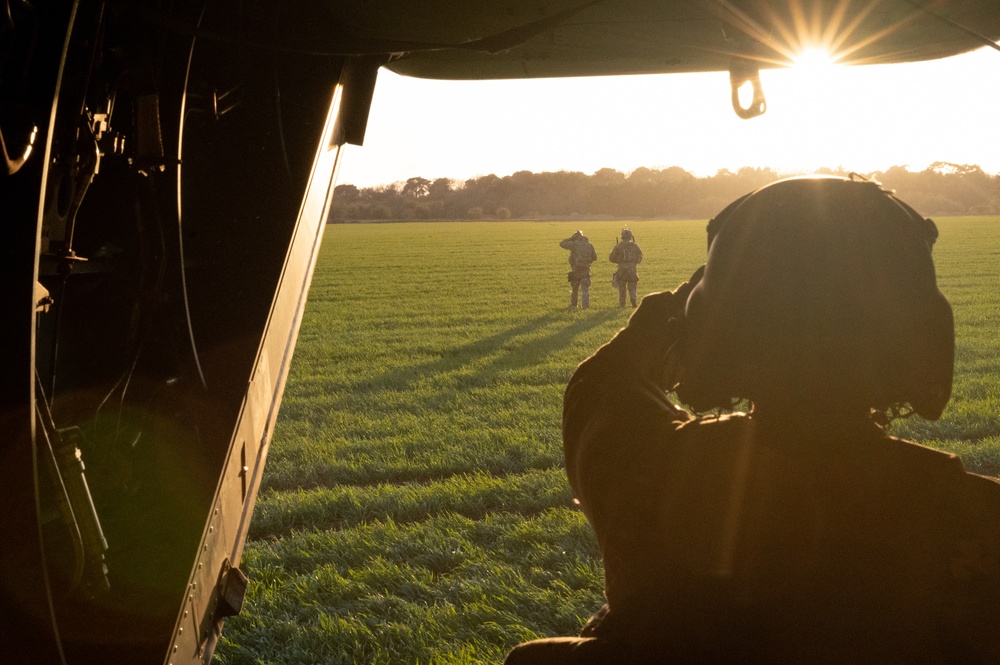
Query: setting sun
(814, 58)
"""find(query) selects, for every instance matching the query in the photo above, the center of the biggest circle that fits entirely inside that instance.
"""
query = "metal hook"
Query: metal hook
(744, 70)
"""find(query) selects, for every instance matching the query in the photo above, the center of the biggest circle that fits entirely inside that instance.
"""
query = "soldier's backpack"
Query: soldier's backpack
(581, 255)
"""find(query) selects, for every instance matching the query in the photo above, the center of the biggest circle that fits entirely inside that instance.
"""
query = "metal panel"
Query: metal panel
(197, 628)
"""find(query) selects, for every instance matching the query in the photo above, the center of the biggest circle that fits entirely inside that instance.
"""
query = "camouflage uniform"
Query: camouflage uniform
(627, 255)
(581, 255)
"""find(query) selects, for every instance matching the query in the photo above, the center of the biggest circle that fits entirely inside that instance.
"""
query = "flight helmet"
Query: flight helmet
(819, 292)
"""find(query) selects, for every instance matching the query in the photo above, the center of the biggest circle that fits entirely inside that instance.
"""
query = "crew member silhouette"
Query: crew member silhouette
(798, 531)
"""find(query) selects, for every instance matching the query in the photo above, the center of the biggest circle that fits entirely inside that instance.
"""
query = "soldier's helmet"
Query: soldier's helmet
(626, 234)
(819, 291)
(578, 234)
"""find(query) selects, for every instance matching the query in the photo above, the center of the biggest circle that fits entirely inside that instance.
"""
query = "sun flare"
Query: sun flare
(814, 58)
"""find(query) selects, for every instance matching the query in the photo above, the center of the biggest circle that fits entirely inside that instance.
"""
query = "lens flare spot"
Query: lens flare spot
(814, 58)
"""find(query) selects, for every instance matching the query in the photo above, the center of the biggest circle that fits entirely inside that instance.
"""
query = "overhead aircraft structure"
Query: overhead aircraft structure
(168, 171)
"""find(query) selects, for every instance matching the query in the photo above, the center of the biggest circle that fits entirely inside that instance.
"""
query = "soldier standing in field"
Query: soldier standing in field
(581, 255)
(627, 255)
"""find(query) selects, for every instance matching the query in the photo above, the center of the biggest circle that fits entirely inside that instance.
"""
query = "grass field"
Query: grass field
(414, 507)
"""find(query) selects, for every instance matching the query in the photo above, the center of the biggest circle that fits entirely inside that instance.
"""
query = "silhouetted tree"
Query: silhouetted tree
(416, 187)
(440, 188)
(347, 193)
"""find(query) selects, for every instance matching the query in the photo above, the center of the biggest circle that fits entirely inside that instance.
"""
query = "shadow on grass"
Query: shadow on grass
(530, 353)
(505, 370)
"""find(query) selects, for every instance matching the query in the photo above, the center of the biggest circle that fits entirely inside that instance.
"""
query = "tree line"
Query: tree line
(941, 189)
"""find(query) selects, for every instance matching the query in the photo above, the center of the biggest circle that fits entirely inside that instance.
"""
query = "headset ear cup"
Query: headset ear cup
(717, 222)
(708, 374)
(932, 364)
(703, 369)
(931, 382)
(689, 351)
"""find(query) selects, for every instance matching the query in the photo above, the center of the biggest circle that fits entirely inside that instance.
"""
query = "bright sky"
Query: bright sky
(862, 118)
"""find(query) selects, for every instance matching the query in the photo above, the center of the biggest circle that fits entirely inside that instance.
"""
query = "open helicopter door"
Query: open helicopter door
(216, 586)
(159, 239)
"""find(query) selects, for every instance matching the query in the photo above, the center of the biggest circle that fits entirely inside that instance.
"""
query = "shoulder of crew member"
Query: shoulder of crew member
(610, 430)
(972, 612)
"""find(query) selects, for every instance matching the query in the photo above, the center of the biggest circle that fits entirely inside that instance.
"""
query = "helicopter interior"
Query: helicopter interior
(168, 174)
